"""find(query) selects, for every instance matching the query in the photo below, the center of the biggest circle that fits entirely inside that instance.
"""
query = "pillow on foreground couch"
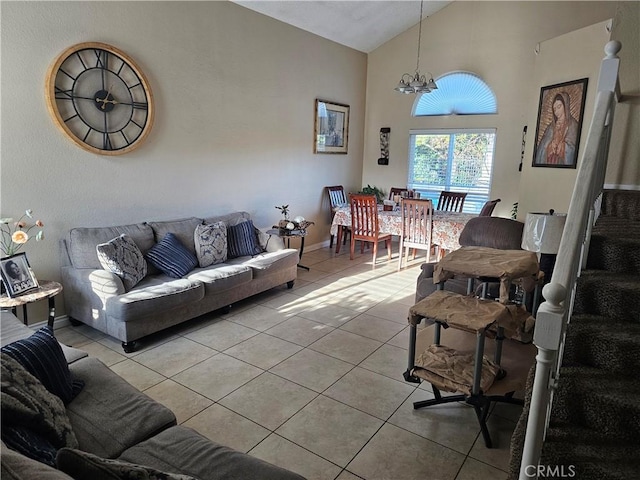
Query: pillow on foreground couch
(41, 355)
(81, 465)
(34, 421)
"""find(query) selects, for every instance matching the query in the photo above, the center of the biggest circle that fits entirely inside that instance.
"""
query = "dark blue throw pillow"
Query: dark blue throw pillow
(171, 257)
(242, 241)
(42, 356)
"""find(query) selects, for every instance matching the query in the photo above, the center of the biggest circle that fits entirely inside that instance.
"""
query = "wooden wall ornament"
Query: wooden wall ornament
(99, 98)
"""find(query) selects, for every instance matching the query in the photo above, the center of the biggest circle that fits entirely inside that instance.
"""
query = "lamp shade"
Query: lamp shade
(542, 232)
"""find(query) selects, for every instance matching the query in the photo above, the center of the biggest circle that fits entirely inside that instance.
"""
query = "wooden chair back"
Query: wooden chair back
(364, 217)
(337, 196)
(417, 222)
(451, 201)
(365, 224)
(396, 191)
(488, 207)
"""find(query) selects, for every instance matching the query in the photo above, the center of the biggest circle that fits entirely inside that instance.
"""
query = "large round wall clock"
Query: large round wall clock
(99, 98)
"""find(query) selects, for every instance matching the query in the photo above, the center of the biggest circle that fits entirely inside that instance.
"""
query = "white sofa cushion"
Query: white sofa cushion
(220, 277)
(267, 262)
(154, 293)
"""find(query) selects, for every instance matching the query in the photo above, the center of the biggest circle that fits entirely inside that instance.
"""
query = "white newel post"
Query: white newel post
(546, 337)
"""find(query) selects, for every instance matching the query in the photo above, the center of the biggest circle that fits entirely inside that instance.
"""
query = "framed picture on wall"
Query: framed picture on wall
(331, 133)
(560, 114)
(17, 276)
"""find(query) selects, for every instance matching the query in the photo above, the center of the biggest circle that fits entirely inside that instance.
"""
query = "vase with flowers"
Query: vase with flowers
(15, 234)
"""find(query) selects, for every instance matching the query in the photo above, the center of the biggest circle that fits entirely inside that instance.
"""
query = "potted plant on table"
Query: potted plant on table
(378, 192)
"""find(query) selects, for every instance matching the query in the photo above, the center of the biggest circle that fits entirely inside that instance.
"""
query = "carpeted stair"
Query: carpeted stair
(595, 421)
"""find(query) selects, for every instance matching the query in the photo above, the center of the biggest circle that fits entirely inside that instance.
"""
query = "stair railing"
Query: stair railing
(555, 313)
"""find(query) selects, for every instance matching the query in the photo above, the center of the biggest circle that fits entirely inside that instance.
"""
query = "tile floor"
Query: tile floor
(311, 379)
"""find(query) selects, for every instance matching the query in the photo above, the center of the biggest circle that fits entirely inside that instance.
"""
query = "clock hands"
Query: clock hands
(106, 99)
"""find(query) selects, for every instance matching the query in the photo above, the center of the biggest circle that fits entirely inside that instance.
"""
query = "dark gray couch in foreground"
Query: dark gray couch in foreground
(112, 419)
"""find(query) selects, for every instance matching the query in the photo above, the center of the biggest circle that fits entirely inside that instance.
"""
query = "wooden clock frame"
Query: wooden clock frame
(122, 71)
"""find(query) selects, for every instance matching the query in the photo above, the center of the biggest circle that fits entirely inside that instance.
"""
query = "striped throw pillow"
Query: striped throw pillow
(242, 240)
(42, 356)
(171, 257)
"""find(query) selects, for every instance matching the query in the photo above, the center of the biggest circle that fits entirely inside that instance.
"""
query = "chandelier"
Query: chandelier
(416, 83)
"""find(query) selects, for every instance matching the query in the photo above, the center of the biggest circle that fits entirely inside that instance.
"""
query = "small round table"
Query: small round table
(47, 289)
(282, 233)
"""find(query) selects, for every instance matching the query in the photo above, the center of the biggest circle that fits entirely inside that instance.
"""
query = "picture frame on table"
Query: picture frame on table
(331, 129)
(559, 124)
(17, 276)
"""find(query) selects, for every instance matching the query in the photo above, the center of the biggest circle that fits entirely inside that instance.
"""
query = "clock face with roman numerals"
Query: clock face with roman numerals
(100, 98)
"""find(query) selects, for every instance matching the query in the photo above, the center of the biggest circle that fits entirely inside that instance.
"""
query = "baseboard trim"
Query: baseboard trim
(612, 186)
(316, 246)
(58, 322)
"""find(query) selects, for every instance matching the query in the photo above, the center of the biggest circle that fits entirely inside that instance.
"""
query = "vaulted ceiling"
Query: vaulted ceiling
(363, 25)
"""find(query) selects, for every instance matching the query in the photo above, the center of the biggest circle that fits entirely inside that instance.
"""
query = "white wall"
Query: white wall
(568, 57)
(623, 168)
(496, 40)
(235, 93)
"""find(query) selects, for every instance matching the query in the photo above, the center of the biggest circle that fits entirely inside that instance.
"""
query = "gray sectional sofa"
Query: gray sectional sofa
(111, 419)
(98, 298)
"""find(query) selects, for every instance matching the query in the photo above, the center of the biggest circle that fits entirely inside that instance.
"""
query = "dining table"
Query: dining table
(445, 229)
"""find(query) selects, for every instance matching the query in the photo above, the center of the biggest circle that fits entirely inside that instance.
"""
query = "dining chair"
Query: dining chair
(451, 201)
(396, 191)
(337, 198)
(487, 208)
(365, 225)
(417, 220)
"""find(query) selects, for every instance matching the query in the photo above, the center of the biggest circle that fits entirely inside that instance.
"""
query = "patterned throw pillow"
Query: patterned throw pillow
(171, 257)
(211, 243)
(242, 241)
(81, 464)
(42, 356)
(122, 257)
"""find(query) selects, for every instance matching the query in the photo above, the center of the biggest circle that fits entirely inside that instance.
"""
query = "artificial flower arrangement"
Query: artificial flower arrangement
(298, 223)
(14, 235)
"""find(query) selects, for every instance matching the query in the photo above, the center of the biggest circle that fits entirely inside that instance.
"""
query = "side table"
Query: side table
(47, 289)
(288, 234)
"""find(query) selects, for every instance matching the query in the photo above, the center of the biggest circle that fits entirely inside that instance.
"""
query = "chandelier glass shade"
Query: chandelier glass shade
(416, 83)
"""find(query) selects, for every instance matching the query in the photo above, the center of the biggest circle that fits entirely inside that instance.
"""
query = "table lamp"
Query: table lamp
(542, 234)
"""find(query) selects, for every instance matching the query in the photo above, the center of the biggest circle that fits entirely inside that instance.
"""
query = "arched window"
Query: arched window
(458, 93)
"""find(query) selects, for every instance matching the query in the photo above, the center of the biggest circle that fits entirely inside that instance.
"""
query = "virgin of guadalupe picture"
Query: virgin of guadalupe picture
(559, 124)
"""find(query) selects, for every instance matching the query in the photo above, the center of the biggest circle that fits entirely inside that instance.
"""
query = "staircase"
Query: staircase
(594, 428)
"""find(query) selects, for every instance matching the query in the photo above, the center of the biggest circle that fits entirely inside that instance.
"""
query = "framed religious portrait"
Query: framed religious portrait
(17, 276)
(560, 114)
(331, 127)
